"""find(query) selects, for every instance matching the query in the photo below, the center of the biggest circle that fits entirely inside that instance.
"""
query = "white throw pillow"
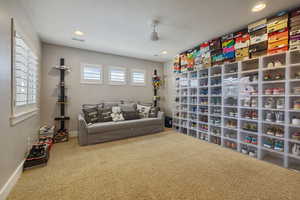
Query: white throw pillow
(143, 110)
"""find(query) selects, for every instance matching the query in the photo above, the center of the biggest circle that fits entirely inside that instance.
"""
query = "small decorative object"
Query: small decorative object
(280, 103)
(253, 102)
(296, 136)
(270, 103)
(279, 117)
(270, 65)
(267, 77)
(277, 63)
(296, 90)
(296, 149)
(254, 115)
(278, 91)
(278, 76)
(247, 102)
(279, 132)
(297, 104)
(278, 145)
(254, 140)
(297, 75)
(268, 143)
(270, 131)
(268, 91)
(269, 116)
(244, 150)
(296, 121)
(253, 153)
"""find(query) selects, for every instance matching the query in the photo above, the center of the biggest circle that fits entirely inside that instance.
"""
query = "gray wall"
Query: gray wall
(13, 140)
(169, 88)
(79, 94)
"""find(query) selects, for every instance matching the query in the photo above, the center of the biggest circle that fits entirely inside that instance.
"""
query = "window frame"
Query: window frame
(20, 113)
(111, 82)
(91, 82)
(138, 71)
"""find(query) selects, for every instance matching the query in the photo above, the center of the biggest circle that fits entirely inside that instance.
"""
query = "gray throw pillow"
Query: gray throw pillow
(131, 115)
(153, 112)
(128, 107)
(91, 115)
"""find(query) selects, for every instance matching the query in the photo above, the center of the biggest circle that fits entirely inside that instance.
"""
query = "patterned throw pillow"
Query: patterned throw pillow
(131, 115)
(91, 115)
(143, 111)
(105, 115)
(153, 112)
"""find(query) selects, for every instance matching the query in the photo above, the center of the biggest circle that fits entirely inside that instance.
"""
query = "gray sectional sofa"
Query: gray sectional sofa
(109, 131)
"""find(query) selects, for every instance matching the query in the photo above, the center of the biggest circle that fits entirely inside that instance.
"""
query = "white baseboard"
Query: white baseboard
(73, 134)
(5, 190)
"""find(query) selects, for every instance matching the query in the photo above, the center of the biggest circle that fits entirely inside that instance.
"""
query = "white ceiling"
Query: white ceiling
(122, 27)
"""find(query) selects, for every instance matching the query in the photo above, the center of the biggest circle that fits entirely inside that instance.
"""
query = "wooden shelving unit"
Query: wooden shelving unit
(204, 109)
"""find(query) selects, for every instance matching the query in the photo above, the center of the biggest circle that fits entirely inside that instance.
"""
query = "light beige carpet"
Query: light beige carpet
(161, 166)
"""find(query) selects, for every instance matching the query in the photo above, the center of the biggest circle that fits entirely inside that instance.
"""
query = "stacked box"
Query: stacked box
(197, 58)
(258, 38)
(278, 33)
(183, 62)
(228, 48)
(216, 51)
(205, 54)
(190, 59)
(242, 42)
(295, 30)
(176, 65)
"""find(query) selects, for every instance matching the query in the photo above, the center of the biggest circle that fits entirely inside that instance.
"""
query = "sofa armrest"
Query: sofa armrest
(82, 131)
(161, 115)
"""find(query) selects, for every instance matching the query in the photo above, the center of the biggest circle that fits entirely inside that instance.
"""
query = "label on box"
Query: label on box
(228, 43)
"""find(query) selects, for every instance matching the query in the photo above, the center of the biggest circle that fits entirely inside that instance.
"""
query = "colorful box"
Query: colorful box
(258, 36)
(257, 25)
(242, 54)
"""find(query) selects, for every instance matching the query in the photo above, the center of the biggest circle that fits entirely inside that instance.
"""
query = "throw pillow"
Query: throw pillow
(117, 117)
(131, 115)
(90, 115)
(128, 107)
(105, 115)
(143, 110)
(153, 112)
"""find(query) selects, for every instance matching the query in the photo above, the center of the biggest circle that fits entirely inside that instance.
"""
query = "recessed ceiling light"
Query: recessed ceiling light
(259, 7)
(164, 52)
(79, 33)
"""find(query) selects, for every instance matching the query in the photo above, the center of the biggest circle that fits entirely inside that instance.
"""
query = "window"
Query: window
(117, 75)
(25, 78)
(91, 74)
(138, 77)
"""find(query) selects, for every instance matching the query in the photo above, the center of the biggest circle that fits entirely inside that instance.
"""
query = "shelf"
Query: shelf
(255, 71)
(272, 150)
(273, 68)
(273, 123)
(276, 81)
(249, 120)
(273, 137)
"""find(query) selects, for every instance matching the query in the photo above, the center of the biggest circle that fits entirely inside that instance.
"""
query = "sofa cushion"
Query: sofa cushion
(91, 115)
(131, 115)
(99, 128)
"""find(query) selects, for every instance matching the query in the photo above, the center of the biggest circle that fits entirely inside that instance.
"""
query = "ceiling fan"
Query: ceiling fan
(154, 35)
